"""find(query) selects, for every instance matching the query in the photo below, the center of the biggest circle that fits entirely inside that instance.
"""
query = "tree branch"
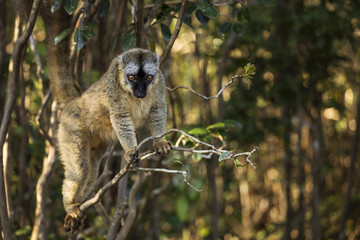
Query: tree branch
(175, 33)
(132, 207)
(205, 97)
(102, 190)
(42, 130)
(39, 228)
(130, 167)
(10, 99)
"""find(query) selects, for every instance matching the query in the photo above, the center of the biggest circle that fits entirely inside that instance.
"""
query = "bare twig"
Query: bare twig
(140, 145)
(10, 99)
(132, 207)
(102, 190)
(39, 228)
(175, 33)
(42, 129)
(164, 170)
(129, 167)
(205, 97)
(39, 224)
(39, 66)
(106, 171)
(102, 212)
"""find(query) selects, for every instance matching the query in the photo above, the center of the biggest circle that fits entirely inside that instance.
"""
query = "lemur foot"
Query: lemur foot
(162, 146)
(74, 219)
(132, 156)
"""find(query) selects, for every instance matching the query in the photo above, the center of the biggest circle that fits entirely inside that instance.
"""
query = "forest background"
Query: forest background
(301, 109)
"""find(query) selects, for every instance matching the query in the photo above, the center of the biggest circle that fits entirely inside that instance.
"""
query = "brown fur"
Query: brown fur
(107, 111)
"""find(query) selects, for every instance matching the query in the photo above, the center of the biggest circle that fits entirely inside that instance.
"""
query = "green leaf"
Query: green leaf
(55, 6)
(225, 156)
(225, 27)
(198, 132)
(224, 125)
(114, 42)
(182, 207)
(71, 6)
(62, 35)
(129, 41)
(87, 32)
(187, 20)
(23, 231)
(202, 18)
(103, 8)
(219, 125)
(165, 31)
(239, 164)
(190, 8)
(79, 39)
(91, 24)
(205, 7)
(233, 124)
(238, 29)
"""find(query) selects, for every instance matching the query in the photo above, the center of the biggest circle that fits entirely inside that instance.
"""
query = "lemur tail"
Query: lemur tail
(58, 58)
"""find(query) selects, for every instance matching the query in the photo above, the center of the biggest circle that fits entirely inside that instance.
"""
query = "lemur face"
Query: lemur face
(139, 71)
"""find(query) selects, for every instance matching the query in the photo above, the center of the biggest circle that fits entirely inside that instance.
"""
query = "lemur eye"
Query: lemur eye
(149, 78)
(131, 77)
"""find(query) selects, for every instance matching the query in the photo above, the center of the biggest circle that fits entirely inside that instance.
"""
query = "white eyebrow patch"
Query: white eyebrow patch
(149, 68)
(132, 68)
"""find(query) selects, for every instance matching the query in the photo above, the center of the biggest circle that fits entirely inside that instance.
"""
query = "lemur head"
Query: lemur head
(139, 69)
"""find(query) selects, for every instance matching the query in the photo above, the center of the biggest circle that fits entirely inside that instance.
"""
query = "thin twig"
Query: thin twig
(107, 168)
(164, 170)
(130, 167)
(205, 97)
(42, 129)
(175, 33)
(102, 190)
(132, 207)
(140, 145)
(104, 215)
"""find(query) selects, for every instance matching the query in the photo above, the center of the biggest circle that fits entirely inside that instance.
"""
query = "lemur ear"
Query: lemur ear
(121, 59)
(156, 58)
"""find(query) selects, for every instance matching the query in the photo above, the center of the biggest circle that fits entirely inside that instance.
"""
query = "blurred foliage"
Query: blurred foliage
(307, 71)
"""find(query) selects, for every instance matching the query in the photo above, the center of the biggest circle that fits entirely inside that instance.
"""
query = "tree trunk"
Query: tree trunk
(350, 175)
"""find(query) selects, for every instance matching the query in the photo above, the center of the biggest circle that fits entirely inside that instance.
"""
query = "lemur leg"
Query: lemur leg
(96, 154)
(75, 156)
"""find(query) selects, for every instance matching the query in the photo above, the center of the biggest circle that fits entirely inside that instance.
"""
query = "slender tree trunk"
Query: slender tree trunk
(123, 234)
(2, 54)
(7, 157)
(221, 72)
(22, 154)
(39, 228)
(120, 205)
(10, 99)
(155, 213)
(287, 170)
(300, 179)
(319, 152)
(121, 23)
(350, 174)
(213, 203)
(140, 34)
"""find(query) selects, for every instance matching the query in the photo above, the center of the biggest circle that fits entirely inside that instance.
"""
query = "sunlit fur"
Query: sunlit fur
(108, 111)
